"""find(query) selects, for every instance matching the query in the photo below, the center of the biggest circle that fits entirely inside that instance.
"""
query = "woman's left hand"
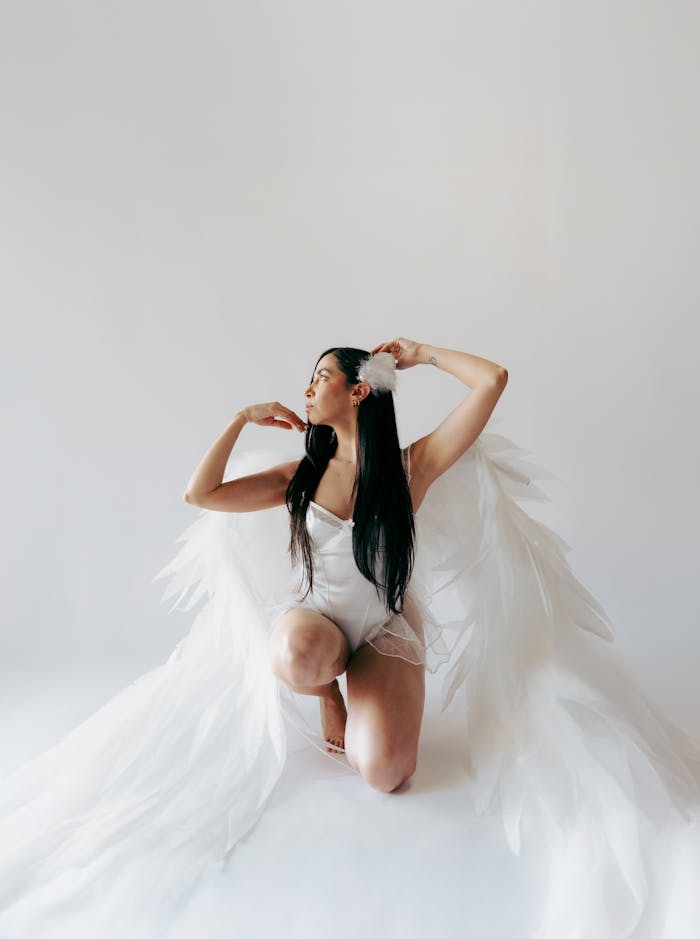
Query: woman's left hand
(405, 351)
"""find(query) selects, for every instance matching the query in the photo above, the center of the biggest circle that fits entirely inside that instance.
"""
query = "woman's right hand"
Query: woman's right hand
(273, 414)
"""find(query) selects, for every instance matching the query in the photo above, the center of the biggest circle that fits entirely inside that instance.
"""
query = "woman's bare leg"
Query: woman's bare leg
(386, 696)
(308, 651)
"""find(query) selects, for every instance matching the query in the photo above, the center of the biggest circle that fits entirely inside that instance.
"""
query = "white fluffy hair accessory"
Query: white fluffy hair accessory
(379, 371)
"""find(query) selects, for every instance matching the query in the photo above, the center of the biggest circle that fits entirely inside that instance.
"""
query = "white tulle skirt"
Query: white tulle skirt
(114, 825)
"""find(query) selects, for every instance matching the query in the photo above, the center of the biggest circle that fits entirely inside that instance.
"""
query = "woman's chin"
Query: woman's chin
(316, 418)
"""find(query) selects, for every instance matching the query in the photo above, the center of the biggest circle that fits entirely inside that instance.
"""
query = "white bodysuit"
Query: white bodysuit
(346, 597)
(340, 591)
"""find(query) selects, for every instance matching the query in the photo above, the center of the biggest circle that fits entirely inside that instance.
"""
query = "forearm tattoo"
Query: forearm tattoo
(433, 361)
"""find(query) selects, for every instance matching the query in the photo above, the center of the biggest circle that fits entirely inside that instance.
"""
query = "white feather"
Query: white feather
(379, 371)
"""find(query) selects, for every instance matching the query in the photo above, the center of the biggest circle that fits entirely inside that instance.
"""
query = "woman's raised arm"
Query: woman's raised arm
(248, 493)
(436, 452)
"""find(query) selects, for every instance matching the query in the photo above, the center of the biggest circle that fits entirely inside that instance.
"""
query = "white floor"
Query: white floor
(330, 856)
(335, 857)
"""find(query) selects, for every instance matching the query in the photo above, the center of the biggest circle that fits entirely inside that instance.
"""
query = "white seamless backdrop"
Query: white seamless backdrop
(197, 199)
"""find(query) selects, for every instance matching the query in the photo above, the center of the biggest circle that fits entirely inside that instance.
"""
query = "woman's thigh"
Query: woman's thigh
(386, 696)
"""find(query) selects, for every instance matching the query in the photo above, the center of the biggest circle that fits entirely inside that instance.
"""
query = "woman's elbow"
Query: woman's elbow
(501, 376)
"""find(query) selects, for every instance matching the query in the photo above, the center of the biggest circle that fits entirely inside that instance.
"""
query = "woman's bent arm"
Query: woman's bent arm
(248, 493)
(471, 370)
(433, 454)
(436, 452)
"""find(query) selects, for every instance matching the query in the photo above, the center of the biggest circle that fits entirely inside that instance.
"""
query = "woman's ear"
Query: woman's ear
(360, 391)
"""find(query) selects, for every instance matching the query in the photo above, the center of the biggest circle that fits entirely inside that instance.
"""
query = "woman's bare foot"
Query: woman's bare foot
(333, 717)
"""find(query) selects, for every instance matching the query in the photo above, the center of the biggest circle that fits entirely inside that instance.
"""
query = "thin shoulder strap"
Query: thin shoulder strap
(406, 454)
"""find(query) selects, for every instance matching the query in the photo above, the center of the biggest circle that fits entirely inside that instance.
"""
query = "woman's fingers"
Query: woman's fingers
(401, 349)
(275, 422)
(288, 419)
(294, 420)
(274, 414)
(392, 347)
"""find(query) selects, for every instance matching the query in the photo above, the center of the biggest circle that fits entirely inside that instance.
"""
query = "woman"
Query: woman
(354, 470)
(167, 777)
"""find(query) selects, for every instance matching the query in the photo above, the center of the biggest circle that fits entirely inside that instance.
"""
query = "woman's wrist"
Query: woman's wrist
(470, 369)
(427, 354)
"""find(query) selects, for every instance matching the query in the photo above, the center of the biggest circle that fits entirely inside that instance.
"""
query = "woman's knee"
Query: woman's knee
(385, 771)
(301, 652)
(294, 657)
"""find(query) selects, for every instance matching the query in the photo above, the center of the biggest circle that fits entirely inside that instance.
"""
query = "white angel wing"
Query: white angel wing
(254, 543)
(113, 824)
(559, 737)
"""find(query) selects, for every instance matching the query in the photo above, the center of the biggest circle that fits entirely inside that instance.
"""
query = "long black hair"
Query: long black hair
(383, 535)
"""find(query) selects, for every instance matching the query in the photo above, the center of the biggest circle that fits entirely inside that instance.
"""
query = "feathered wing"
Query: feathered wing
(111, 826)
(559, 736)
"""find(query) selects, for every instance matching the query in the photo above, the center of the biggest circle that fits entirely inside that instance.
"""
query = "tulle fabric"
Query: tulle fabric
(114, 825)
(561, 740)
(106, 833)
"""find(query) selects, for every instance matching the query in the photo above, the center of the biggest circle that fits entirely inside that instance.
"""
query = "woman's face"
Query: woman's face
(328, 397)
